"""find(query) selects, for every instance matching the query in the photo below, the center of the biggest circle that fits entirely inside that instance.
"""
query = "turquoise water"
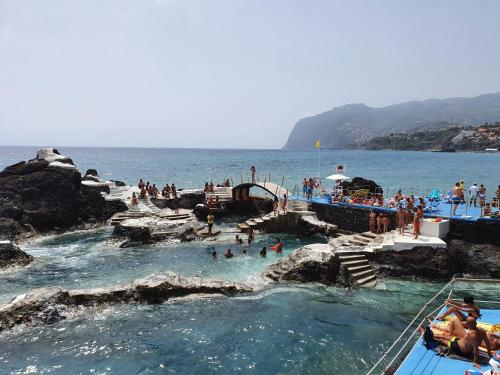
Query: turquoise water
(278, 329)
(286, 329)
(417, 172)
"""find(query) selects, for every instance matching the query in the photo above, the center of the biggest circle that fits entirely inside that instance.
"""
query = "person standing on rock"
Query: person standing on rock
(373, 221)
(416, 221)
(133, 200)
(210, 221)
(386, 221)
(284, 202)
(380, 220)
(275, 205)
(401, 218)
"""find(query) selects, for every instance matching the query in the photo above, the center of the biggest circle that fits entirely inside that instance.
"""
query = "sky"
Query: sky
(228, 73)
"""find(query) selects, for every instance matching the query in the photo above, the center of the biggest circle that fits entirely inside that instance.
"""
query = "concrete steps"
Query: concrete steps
(358, 266)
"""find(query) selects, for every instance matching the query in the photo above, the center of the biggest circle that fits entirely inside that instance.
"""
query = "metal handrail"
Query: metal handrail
(450, 283)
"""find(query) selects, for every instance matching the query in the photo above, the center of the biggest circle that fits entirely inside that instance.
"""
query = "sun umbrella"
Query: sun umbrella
(337, 177)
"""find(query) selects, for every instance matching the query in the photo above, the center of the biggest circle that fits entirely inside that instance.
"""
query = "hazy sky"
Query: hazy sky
(185, 73)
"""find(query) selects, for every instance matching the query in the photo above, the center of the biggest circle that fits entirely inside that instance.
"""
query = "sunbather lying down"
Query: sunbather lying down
(466, 339)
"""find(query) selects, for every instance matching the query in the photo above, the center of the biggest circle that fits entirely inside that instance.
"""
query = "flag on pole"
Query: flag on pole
(317, 144)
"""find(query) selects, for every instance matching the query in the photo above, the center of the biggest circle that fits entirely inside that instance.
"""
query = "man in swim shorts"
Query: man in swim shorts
(468, 345)
(456, 197)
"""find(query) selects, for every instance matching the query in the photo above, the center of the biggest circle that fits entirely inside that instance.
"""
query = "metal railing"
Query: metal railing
(398, 355)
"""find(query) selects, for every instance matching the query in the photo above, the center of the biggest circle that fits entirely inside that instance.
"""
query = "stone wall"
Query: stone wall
(348, 217)
(356, 219)
(483, 231)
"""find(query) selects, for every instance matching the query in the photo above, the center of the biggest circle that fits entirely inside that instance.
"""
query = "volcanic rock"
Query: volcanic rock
(311, 263)
(50, 305)
(11, 255)
(46, 193)
(360, 183)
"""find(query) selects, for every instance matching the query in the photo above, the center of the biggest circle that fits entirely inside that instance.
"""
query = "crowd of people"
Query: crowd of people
(150, 190)
(409, 211)
(477, 195)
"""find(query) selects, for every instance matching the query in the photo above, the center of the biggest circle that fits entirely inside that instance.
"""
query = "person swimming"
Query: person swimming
(229, 253)
(278, 247)
(263, 252)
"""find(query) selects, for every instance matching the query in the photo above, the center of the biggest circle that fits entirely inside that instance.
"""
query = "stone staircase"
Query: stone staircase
(359, 268)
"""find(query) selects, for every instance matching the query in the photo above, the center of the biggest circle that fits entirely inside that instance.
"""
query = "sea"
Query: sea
(278, 329)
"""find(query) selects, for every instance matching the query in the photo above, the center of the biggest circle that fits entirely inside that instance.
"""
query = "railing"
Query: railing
(388, 369)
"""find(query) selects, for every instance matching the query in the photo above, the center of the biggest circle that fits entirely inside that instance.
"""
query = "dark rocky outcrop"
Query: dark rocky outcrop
(50, 305)
(135, 232)
(187, 199)
(311, 263)
(11, 255)
(481, 260)
(47, 194)
(360, 183)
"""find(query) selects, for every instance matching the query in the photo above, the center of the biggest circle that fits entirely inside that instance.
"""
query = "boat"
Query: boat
(491, 150)
(408, 354)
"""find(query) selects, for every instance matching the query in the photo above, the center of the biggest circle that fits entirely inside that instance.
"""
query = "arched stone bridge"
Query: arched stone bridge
(242, 191)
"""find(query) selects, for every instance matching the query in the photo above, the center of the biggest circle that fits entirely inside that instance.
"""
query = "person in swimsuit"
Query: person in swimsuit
(283, 203)
(457, 328)
(416, 221)
(496, 201)
(133, 200)
(263, 252)
(229, 253)
(487, 210)
(373, 219)
(250, 233)
(467, 346)
(386, 221)
(210, 222)
(278, 247)
(253, 171)
(456, 198)
(409, 210)
(482, 195)
(460, 309)
(401, 217)
(304, 187)
(380, 220)
(275, 205)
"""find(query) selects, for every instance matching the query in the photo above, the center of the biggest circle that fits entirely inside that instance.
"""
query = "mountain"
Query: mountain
(470, 138)
(353, 124)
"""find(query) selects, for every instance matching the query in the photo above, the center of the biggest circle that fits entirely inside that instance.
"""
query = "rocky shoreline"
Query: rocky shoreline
(47, 194)
(50, 305)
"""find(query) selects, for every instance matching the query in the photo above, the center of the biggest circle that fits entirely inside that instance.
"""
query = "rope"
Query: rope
(411, 336)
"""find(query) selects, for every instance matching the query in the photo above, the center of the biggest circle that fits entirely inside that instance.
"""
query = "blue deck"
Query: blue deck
(440, 209)
(421, 361)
